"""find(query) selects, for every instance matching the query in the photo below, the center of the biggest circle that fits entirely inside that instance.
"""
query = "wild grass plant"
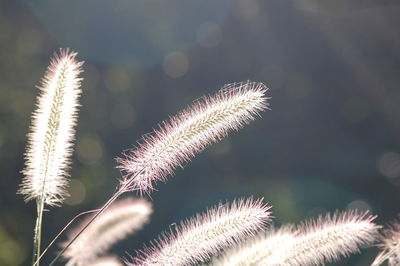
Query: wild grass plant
(233, 233)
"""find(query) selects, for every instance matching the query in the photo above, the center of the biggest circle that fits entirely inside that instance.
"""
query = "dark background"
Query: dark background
(331, 140)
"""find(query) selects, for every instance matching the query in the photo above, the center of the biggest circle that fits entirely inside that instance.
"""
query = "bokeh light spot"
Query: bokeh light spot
(176, 64)
(284, 194)
(11, 253)
(248, 10)
(118, 79)
(389, 165)
(359, 205)
(77, 192)
(89, 149)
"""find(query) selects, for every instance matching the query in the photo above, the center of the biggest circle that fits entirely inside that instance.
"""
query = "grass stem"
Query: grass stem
(38, 232)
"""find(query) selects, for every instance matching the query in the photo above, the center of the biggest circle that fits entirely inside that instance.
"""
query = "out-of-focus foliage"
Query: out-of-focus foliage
(331, 141)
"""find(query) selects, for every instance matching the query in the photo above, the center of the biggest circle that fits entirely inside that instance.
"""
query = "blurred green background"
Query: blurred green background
(331, 140)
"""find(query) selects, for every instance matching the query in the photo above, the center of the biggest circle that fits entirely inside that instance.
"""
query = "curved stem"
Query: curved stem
(36, 263)
(108, 203)
(101, 210)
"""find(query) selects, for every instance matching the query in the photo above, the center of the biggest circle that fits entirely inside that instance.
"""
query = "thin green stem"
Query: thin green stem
(38, 231)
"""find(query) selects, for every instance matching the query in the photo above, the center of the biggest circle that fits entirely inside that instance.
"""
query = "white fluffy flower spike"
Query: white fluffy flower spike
(106, 261)
(330, 237)
(256, 249)
(52, 131)
(203, 235)
(178, 140)
(118, 221)
(315, 242)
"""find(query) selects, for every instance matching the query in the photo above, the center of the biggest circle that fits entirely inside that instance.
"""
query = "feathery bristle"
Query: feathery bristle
(327, 239)
(198, 238)
(120, 219)
(106, 261)
(390, 243)
(177, 141)
(255, 249)
(52, 131)
(332, 236)
(315, 242)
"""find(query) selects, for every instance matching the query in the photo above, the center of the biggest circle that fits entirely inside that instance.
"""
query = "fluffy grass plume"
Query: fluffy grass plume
(255, 249)
(52, 131)
(330, 237)
(390, 243)
(203, 235)
(120, 219)
(106, 261)
(315, 242)
(177, 141)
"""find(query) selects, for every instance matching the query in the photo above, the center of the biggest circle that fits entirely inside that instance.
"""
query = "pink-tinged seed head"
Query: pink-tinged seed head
(203, 235)
(106, 261)
(255, 249)
(179, 139)
(118, 221)
(326, 239)
(50, 141)
(314, 242)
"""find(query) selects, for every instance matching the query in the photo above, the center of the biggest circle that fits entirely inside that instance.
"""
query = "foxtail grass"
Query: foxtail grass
(203, 235)
(50, 141)
(179, 139)
(123, 218)
(314, 242)
(106, 261)
(255, 249)
(182, 137)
